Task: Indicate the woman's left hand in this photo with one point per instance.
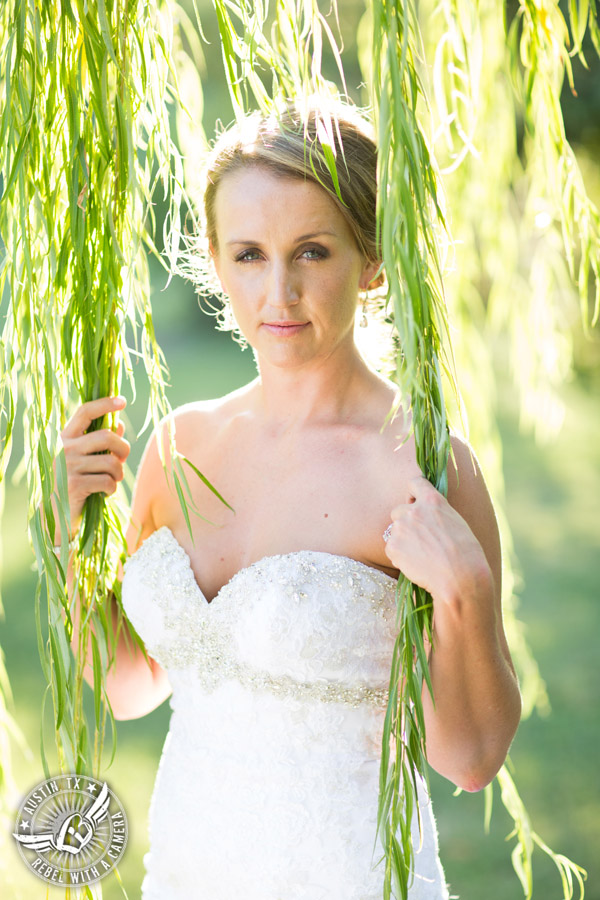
(434, 547)
(452, 549)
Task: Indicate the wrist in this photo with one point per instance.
(470, 594)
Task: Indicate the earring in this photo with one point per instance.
(363, 319)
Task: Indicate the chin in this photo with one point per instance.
(288, 361)
(280, 355)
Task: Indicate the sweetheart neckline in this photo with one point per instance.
(269, 557)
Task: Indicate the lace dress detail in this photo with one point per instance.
(268, 782)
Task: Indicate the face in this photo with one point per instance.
(289, 263)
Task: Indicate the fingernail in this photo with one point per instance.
(119, 401)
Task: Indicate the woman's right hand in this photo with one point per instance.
(90, 469)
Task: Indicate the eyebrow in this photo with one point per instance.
(298, 240)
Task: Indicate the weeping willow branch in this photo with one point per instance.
(411, 222)
(513, 206)
(85, 141)
(289, 54)
(509, 276)
(475, 140)
(539, 40)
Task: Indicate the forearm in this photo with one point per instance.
(477, 705)
(94, 464)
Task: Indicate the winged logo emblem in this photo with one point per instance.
(75, 831)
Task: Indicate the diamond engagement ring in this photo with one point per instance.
(387, 533)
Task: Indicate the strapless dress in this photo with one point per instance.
(268, 782)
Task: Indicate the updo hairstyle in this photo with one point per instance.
(288, 144)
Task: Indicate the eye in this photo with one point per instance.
(247, 256)
(315, 253)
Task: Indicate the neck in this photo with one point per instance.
(323, 391)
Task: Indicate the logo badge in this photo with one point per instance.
(71, 830)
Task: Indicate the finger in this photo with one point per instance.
(398, 512)
(402, 511)
(101, 484)
(99, 464)
(417, 486)
(420, 487)
(97, 442)
(87, 412)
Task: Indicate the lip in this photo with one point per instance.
(284, 327)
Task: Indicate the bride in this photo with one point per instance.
(273, 627)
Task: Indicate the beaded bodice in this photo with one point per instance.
(305, 624)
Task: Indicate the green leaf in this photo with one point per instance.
(105, 31)
(59, 678)
(98, 669)
(206, 482)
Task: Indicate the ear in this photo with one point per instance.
(372, 276)
(214, 257)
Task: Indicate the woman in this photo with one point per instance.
(274, 626)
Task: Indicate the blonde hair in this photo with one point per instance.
(290, 146)
(292, 143)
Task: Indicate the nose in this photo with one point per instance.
(282, 288)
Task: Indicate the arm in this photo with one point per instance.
(452, 548)
(134, 686)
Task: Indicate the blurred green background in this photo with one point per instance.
(553, 495)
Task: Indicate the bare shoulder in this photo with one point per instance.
(466, 483)
(469, 495)
(386, 412)
(203, 418)
(197, 420)
(187, 427)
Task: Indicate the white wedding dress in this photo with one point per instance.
(268, 782)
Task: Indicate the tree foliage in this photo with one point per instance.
(85, 142)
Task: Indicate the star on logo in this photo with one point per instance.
(92, 788)
(70, 839)
(24, 824)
